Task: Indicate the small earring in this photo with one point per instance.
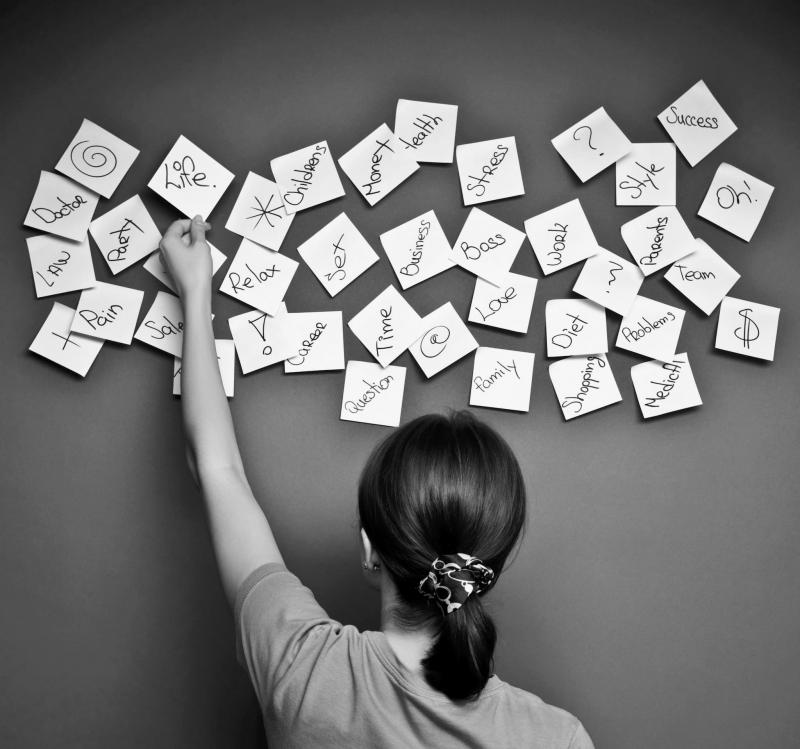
(365, 565)
(375, 567)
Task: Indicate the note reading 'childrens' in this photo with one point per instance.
(307, 177)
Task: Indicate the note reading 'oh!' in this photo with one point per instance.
(703, 277)
(445, 339)
(155, 266)
(507, 306)
(575, 327)
(665, 386)
(646, 175)
(427, 131)
(260, 339)
(610, 281)
(373, 394)
(56, 342)
(747, 328)
(60, 266)
(258, 213)
(651, 329)
(486, 246)
(307, 177)
(225, 361)
(502, 379)
(162, 326)
(583, 384)
(61, 207)
(317, 342)
(561, 237)
(108, 311)
(657, 238)
(125, 234)
(489, 170)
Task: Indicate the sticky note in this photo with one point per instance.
(651, 329)
(657, 238)
(747, 328)
(317, 342)
(337, 254)
(190, 179)
(646, 175)
(373, 394)
(56, 342)
(261, 340)
(696, 123)
(610, 281)
(59, 265)
(486, 246)
(489, 170)
(225, 360)
(445, 340)
(125, 234)
(663, 387)
(259, 214)
(583, 384)
(575, 327)
(735, 201)
(307, 177)
(507, 306)
(703, 277)
(162, 325)
(258, 276)
(387, 326)
(61, 207)
(97, 159)
(502, 379)
(426, 130)
(156, 267)
(417, 249)
(108, 311)
(561, 237)
(592, 144)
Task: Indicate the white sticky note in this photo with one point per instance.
(575, 327)
(162, 325)
(155, 266)
(307, 177)
(663, 387)
(261, 340)
(651, 329)
(61, 207)
(317, 342)
(258, 276)
(387, 326)
(337, 254)
(259, 214)
(125, 234)
(190, 179)
(735, 201)
(592, 145)
(486, 246)
(696, 123)
(56, 342)
(108, 311)
(502, 379)
(610, 281)
(97, 159)
(417, 249)
(646, 175)
(583, 384)
(657, 238)
(507, 306)
(561, 237)
(747, 328)
(445, 339)
(427, 131)
(373, 394)
(703, 277)
(60, 266)
(489, 170)
(225, 360)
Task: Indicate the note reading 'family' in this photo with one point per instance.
(502, 379)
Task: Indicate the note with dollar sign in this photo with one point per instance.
(747, 328)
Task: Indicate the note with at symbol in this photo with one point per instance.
(747, 328)
(445, 340)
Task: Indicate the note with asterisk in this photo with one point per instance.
(259, 214)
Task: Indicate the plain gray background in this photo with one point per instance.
(656, 593)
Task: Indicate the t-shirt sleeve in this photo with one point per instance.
(580, 739)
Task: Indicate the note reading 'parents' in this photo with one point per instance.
(657, 238)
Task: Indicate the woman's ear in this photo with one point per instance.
(369, 558)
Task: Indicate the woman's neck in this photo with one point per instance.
(409, 645)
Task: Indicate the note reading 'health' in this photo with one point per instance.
(610, 281)
(61, 207)
(507, 306)
(502, 379)
(258, 213)
(108, 311)
(575, 327)
(125, 234)
(486, 246)
(657, 238)
(561, 237)
(225, 360)
(665, 386)
(489, 170)
(747, 328)
(445, 340)
(427, 131)
(307, 177)
(261, 340)
(155, 266)
(162, 326)
(646, 175)
(373, 394)
(651, 329)
(56, 342)
(317, 343)
(59, 265)
(583, 384)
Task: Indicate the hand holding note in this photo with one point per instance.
(188, 256)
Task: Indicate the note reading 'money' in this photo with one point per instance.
(646, 175)
(56, 342)
(155, 266)
(61, 207)
(651, 329)
(258, 213)
(486, 246)
(427, 131)
(307, 177)
(445, 339)
(317, 342)
(747, 328)
(583, 384)
(225, 361)
(502, 379)
(561, 237)
(125, 234)
(373, 394)
(60, 266)
(489, 170)
(162, 325)
(657, 238)
(663, 387)
(108, 311)
(507, 306)
(260, 339)
(610, 281)
(575, 327)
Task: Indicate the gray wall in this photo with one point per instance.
(656, 593)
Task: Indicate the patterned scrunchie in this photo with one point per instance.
(453, 578)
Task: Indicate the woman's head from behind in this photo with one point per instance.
(437, 487)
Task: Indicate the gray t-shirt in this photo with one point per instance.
(324, 684)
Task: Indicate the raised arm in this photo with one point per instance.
(240, 531)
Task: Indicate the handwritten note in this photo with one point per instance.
(489, 170)
(486, 246)
(56, 342)
(337, 254)
(651, 329)
(575, 327)
(663, 387)
(225, 361)
(592, 144)
(610, 281)
(155, 266)
(261, 340)
(259, 214)
(258, 276)
(736, 201)
(507, 306)
(747, 328)
(502, 379)
(97, 159)
(646, 175)
(561, 237)
(61, 207)
(417, 249)
(373, 394)
(125, 234)
(696, 123)
(387, 326)
(317, 342)
(60, 266)
(426, 130)
(108, 311)
(445, 340)
(190, 179)
(307, 177)
(162, 325)
(583, 384)
(703, 277)
(657, 238)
